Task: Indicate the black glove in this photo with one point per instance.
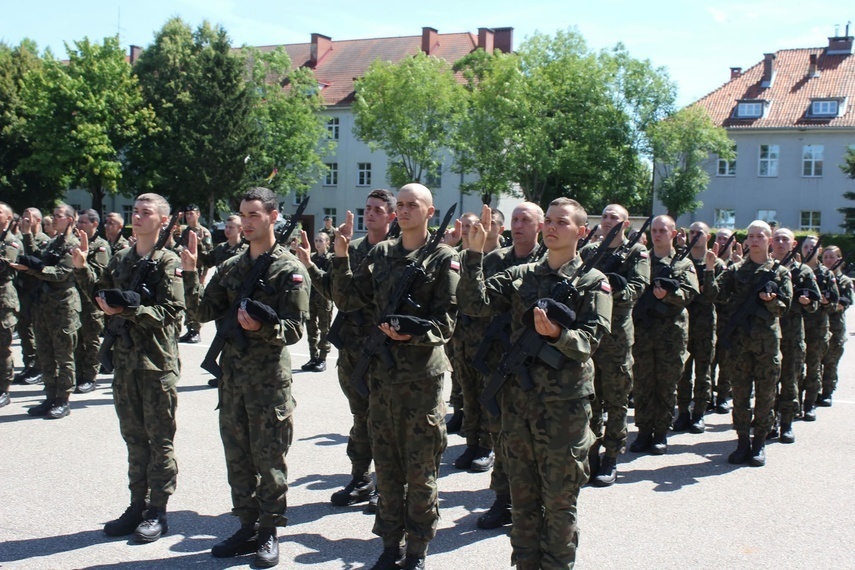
(32, 262)
(618, 282)
(555, 311)
(407, 324)
(259, 311)
(671, 285)
(119, 298)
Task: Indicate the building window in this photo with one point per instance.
(725, 218)
(331, 213)
(750, 110)
(768, 160)
(433, 177)
(727, 167)
(811, 220)
(332, 174)
(332, 128)
(363, 177)
(824, 108)
(812, 160)
(360, 219)
(435, 220)
(128, 212)
(767, 216)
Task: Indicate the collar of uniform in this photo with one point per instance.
(565, 270)
(666, 259)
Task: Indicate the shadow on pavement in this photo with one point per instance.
(353, 553)
(674, 477)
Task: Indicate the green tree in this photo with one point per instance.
(83, 115)
(409, 110)
(848, 167)
(682, 145)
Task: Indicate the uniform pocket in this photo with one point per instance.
(285, 410)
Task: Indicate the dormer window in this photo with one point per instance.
(825, 108)
(750, 109)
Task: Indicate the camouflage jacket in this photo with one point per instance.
(155, 324)
(674, 301)
(804, 283)
(740, 281)
(98, 258)
(57, 277)
(516, 289)
(372, 284)
(118, 245)
(266, 358)
(33, 244)
(635, 269)
(10, 249)
(224, 251)
(205, 242)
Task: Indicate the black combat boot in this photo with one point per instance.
(358, 490)
(773, 431)
(456, 422)
(371, 507)
(84, 386)
(642, 441)
(722, 405)
(824, 400)
(698, 425)
(682, 423)
(483, 460)
(267, 555)
(810, 411)
(128, 522)
(389, 559)
(742, 452)
(499, 514)
(153, 525)
(607, 474)
(594, 460)
(244, 541)
(4, 398)
(787, 435)
(758, 450)
(660, 444)
(320, 364)
(60, 408)
(465, 459)
(310, 364)
(42, 409)
(413, 562)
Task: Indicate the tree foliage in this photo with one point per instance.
(409, 110)
(848, 167)
(682, 145)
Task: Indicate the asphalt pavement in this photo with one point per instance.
(63, 479)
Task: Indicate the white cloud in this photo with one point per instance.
(719, 16)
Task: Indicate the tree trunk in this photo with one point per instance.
(97, 192)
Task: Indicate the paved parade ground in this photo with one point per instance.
(63, 479)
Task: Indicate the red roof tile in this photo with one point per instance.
(791, 91)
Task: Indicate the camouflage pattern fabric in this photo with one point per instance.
(28, 294)
(118, 245)
(817, 337)
(91, 317)
(837, 327)
(224, 251)
(320, 312)
(793, 341)
(10, 250)
(205, 246)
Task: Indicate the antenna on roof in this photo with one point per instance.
(847, 28)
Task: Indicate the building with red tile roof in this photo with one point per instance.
(791, 119)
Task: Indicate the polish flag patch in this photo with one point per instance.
(101, 248)
(179, 272)
(455, 265)
(605, 287)
(14, 244)
(644, 255)
(296, 278)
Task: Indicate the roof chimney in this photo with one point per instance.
(768, 70)
(321, 46)
(430, 40)
(813, 69)
(735, 72)
(840, 45)
(503, 39)
(485, 39)
(134, 54)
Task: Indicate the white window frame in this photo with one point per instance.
(767, 216)
(726, 167)
(331, 179)
(128, 214)
(771, 161)
(333, 125)
(749, 109)
(814, 220)
(363, 174)
(825, 108)
(360, 220)
(729, 222)
(812, 155)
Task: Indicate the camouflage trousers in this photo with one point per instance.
(407, 426)
(817, 336)
(612, 384)
(56, 337)
(472, 384)
(700, 349)
(792, 361)
(146, 402)
(318, 325)
(456, 399)
(547, 445)
(720, 380)
(834, 353)
(26, 330)
(257, 427)
(7, 367)
(659, 355)
(88, 343)
(756, 364)
(358, 440)
(499, 482)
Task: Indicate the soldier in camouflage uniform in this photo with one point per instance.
(256, 405)
(406, 413)
(57, 314)
(320, 310)
(660, 353)
(28, 291)
(146, 372)
(758, 291)
(234, 244)
(378, 215)
(836, 324)
(806, 300)
(817, 332)
(702, 327)
(91, 317)
(113, 225)
(720, 381)
(10, 249)
(613, 358)
(526, 223)
(205, 244)
(48, 227)
(546, 430)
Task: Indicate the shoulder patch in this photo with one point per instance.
(644, 255)
(14, 244)
(605, 287)
(692, 268)
(296, 278)
(179, 272)
(455, 265)
(101, 248)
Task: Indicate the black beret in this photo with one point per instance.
(32, 262)
(668, 284)
(259, 311)
(407, 324)
(119, 298)
(618, 282)
(191, 208)
(555, 311)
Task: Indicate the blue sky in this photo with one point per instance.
(697, 42)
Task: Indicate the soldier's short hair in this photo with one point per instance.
(34, 213)
(115, 216)
(834, 249)
(577, 212)
(159, 202)
(762, 226)
(6, 208)
(498, 217)
(263, 195)
(386, 196)
(66, 209)
(323, 235)
(90, 215)
(235, 218)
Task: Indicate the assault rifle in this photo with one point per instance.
(541, 249)
(530, 346)
(619, 255)
(228, 328)
(10, 227)
(833, 268)
(648, 303)
(378, 342)
(118, 326)
(813, 251)
(727, 245)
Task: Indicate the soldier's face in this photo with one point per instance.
(661, 233)
(559, 229)
(87, 227)
(829, 258)
(525, 226)
(5, 216)
(257, 223)
(321, 245)
(782, 244)
(611, 217)
(147, 219)
(413, 212)
(61, 220)
(807, 247)
(112, 227)
(703, 239)
(757, 240)
(232, 230)
(191, 217)
(376, 216)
